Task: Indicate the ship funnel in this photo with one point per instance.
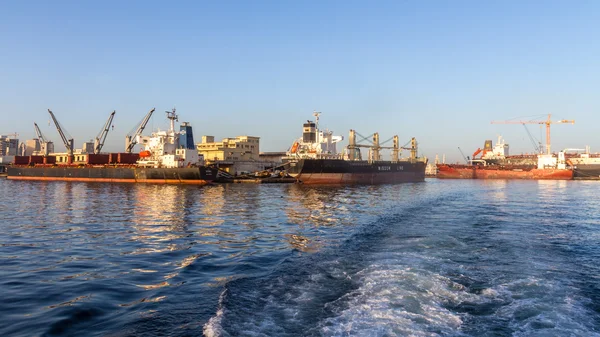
(186, 136)
(487, 146)
(309, 132)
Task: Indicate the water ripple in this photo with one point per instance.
(439, 258)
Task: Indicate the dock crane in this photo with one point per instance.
(463, 155)
(536, 146)
(101, 137)
(547, 122)
(131, 138)
(68, 142)
(44, 143)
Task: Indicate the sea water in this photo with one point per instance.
(449, 258)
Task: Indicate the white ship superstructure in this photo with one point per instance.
(585, 158)
(315, 143)
(165, 148)
(500, 150)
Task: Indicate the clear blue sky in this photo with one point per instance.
(436, 70)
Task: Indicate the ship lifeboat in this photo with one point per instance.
(145, 154)
(294, 147)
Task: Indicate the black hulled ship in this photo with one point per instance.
(313, 159)
(586, 165)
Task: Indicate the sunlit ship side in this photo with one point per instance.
(167, 157)
(495, 163)
(313, 159)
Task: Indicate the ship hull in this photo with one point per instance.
(190, 175)
(337, 171)
(446, 171)
(587, 172)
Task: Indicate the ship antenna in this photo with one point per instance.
(317, 114)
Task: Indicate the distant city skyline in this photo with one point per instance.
(439, 71)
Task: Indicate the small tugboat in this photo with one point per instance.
(313, 159)
(167, 157)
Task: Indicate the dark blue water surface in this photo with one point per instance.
(451, 258)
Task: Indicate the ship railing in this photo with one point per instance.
(314, 156)
(149, 163)
(480, 162)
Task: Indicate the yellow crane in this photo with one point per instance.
(547, 122)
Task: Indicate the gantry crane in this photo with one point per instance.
(44, 148)
(131, 139)
(547, 122)
(68, 142)
(101, 137)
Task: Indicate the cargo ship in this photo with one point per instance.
(313, 159)
(496, 163)
(167, 157)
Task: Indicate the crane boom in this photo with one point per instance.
(465, 158)
(131, 140)
(68, 142)
(547, 122)
(536, 147)
(44, 143)
(99, 141)
(39, 134)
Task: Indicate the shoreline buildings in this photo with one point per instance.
(237, 155)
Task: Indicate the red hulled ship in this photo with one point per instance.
(495, 163)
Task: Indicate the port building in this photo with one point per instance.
(240, 148)
(238, 155)
(8, 146)
(32, 146)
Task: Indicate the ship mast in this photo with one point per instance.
(173, 117)
(318, 137)
(317, 114)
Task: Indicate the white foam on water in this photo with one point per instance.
(213, 328)
(259, 324)
(394, 299)
(283, 305)
(541, 307)
(397, 300)
(404, 294)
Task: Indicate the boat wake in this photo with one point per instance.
(398, 276)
